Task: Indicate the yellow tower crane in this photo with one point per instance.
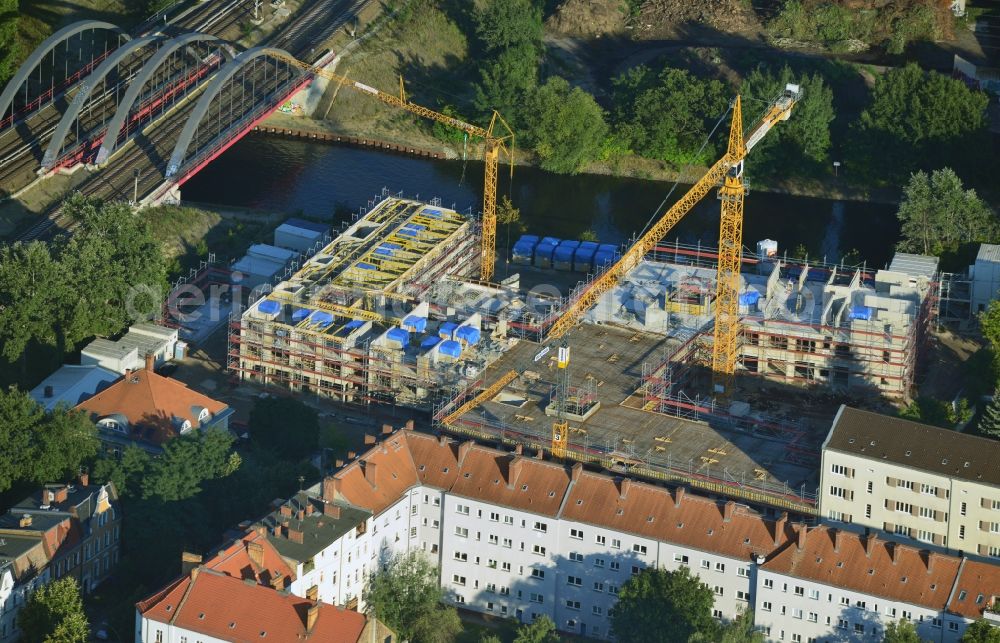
(498, 137)
(728, 171)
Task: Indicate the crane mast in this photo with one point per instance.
(498, 137)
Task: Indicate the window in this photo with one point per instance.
(800, 591)
(508, 543)
(538, 573)
(706, 564)
(741, 595)
(839, 469)
(576, 557)
(639, 549)
(871, 486)
(462, 509)
(576, 533)
(598, 562)
(995, 527)
(953, 626)
(574, 580)
(616, 544)
(796, 613)
(573, 605)
(508, 520)
(813, 617)
(838, 516)
(600, 540)
(904, 507)
(613, 589)
(458, 580)
(842, 623)
(494, 539)
(814, 594)
(859, 628)
(962, 508)
(720, 567)
(598, 610)
(928, 489)
(681, 558)
(494, 516)
(462, 556)
(541, 526)
(769, 583)
(927, 512)
(159, 636)
(718, 590)
(536, 598)
(462, 532)
(598, 586)
(413, 532)
(743, 572)
(538, 550)
(845, 601)
(615, 565)
(839, 492)
(505, 567)
(925, 536)
(717, 614)
(636, 569)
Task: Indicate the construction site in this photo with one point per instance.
(677, 363)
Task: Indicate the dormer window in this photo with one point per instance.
(185, 426)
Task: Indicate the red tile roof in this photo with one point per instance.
(217, 605)
(977, 588)
(236, 560)
(890, 570)
(150, 401)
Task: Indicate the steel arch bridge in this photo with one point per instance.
(184, 98)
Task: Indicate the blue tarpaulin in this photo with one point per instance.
(321, 318)
(860, 312)
(366, 266)
(451, 348)
(299, 314)
(468, 334)
(430, 342)
(269, 307)
(447, 329)
(749, 298)
(415, 323)
(399, 336)
(431, 212)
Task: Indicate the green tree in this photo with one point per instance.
(917, 118)
(506, 81)
(741, 630)
(801, 145)
(54, 614)
(660, 605)
(187, 462)
(588, 235)
(490, 638)
(989, 423)
(10, 50)
(67, 438)
(285, 426)
(937, 214)
(541, 630)
(567, 126)
(33, 298)
(126, 472)
(19, 416)
(989, 324)
(667, 115)
(115, 266)
(902, 631)
(405, 594)
(506, 24)
(981, 632)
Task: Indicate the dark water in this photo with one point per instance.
(316, 178)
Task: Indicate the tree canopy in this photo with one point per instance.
(981, 632)
(40, 446)
(405, 594)
(187, 462)
(658, 605)
(937, 214)
(506, 24)
(667, 115)
(917, 118)
(902, 631)
(285, 426)
(54, 614)
(10, 50)
(541, 630)
(567, 127)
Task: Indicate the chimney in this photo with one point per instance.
(189, 563)
(309, 508)
(576, 472)
(295, 536)
(286, 511)
(331, 510)
(339, 463)
(518, 449)
(870, 543)
(84, 479)
(895, 552)
(442, 439)
(513, 469)
(351, 455)
(331, 488)
(386, 429)
(62, 494)
(803, 532)
(779, 528)
(838, 538)
(47, 497)
(369, 439)
(150, 362)
(311, 617)
(49, 392)
(256, 553)
(370, 472)
(623, 488)
(932, 557)
(540, 454)
(409, 425)
(728, 510)
(25, 521)
(463, 451)
(678, 496)
(278, 581)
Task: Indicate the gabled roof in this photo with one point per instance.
(914, 445)
(303, 526)
(238, 561)
(154, 403)
(214, 604)
(977, 588)
(890, 570)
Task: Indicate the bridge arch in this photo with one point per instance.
(86, 89)
(42, 50)
(135, 86)
(225, 74)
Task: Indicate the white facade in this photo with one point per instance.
(985, 275)
(13, 596)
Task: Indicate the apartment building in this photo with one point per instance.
(914, 481)
(517, 536)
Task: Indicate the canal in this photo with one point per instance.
(326, 181)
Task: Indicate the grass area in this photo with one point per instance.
(40, 18)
